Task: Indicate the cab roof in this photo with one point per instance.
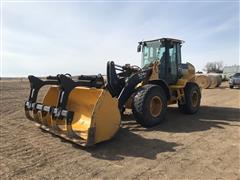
(165, 39)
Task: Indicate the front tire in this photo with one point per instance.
(149, 105)
(231, 86)
(192, 96)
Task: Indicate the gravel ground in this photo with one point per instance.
(200, 146)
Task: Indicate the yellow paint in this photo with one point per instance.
(93, 108)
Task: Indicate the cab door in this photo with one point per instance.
(173, 61)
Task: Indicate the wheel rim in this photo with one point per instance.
(195, 99)
(155, 106)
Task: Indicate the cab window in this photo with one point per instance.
(152, 52)
(173, 59)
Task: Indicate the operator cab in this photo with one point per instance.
(165, 50)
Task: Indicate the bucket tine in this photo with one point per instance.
(40, 115)
(44, 124)
(54, 124)
(28, 114)
(36, 116)
(45, 113)
(28, 111)
(44, 118)
(70, 132)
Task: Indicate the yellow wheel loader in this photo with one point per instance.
(87, 109)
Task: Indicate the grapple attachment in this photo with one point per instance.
(81, 111)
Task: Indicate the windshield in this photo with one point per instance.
(152, 51)
(236, 75)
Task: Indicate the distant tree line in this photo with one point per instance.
(214, 67)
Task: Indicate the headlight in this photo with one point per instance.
(231, 80)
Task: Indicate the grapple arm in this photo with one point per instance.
(36, 84)
(66, 85)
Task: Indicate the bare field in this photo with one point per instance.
(201, 146)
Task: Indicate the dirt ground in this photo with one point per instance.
(201, 146)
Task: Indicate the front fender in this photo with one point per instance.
(131, 83)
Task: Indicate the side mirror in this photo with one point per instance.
(139, 48)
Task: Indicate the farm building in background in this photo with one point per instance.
(231, 69)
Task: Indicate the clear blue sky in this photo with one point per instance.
(79, 38)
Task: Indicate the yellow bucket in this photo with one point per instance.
(96, 115)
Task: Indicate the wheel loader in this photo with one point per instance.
(87, 109)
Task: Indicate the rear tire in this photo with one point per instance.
(149, 105)
(192, 95)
